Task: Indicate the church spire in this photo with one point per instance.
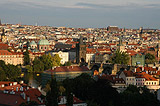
(0, 22)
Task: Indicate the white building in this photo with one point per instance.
(63, 55)
(90, 57)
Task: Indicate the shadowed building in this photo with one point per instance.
(113, 28)
(81, 51)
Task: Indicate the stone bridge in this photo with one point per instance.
(109, 68)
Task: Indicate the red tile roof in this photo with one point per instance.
(128, 73)
(69, 69)
(10, 96)
(3, 46)
(5, 52)
(112, 78)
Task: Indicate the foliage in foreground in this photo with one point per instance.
(9, 72)
(100, 93)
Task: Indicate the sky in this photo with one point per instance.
(82, 13)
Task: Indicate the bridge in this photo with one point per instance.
(109, 68)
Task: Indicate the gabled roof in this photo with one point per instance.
(128, 73)
(69, 69)
(5, 52)
(11, 93)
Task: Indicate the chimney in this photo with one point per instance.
(17, 89)
(113, 78)
(23, 95)
(27, 87)
(21, 89)
(15, 83)
(28, 99)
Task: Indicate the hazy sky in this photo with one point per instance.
(82, 13)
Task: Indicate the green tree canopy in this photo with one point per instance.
(13, 71)
(26, 57)
(38, 66)
(119, 58)
(56, 60)
(52, 95)
(47, 61)
(149, 58)
(29, 68)
(2, 74)
(134, 96)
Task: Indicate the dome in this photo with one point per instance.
(33, 43)
(43, 42)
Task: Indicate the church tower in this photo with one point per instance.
(158, 49)
(0, 22)
(140, 32)
(81, 51)
(121, 47)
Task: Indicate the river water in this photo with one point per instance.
(32, 79)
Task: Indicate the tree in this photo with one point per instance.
(52, 95)
(47, 60)
(2, 74)
(69, 94)
(3, 65)
(134, 96)
(69, 99)
(79, 85)
(61, 90)
(38, 66)
(29, 68)
(119, 58)
(56, 60)
(26, 57)
(12, 72)
(149, 58)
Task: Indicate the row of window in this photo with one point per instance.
(147, 83)
(12, 56)
(130, 83)
(139, 83)
(140, 79)
(130, 79)
(151, 83)
(119, 81)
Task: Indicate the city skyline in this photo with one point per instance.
(82, 13)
